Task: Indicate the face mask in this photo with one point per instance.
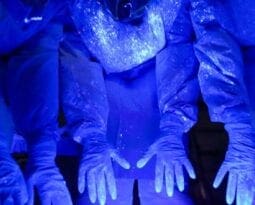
(126, 10)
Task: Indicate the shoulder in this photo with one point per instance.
(203, 11)
(169, 9)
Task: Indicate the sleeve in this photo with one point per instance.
(32, 84)
(221, 69)
(82, 90)
(176, 71)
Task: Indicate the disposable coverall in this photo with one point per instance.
(12, 183)
(225, 49)
(31, 82)
(125, 86)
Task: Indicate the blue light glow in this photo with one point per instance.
(119, 46)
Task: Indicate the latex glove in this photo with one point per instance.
(13, 189)
(96, 168)
(239, 163)
(43, 174)
(171, 158)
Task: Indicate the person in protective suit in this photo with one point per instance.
(128, 82)
(225, 41)
(30, 35)
(224, 48)
(12, 184)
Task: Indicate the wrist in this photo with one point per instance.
(241, 135)
(43, 153)
(90, 137)
(176, 122)
(95, 142)
(82, 133)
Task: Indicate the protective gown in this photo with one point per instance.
(225, 49)
(126, 87)
(31, 90)
(12, 183)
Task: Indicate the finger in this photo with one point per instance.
(244, 195)
(169, 178)
(8, 201)
(62, 200)
(30, 191)
(110, 179)
(81, 179)
(45, 200)
(144, 160)
(20, 197)
(121, 161)
(189, 169)
(220, 176)
(239, 193)
(101, 192)
(21, 194)
(179, 176)
(248, 197)
(61, 195)
(91, 179)
(159, 174)
(231, 188)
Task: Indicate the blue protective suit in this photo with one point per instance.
(225, 43)
(126, 86)
(12, 183)
(19, 22)
(32, 90)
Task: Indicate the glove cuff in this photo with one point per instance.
(42, 153)
(94, 142)
(241, 135)
(175, 124)
(84, 130)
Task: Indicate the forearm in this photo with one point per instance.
(221, 68)
(178, 89)
(221, 78)
(83, 94)
(176, 77)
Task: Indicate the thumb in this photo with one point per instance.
(120, 160)
(30, 191)
(220, 175)
(144, 160)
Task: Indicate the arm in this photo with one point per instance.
(12, 184)
(85, 106)
(177, 96)
(223, 90)
(33, 96)
(82, 90)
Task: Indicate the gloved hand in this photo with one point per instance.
(239, 163)
(13, 189)
(96, 168)
(171, 156)
(43, 174)
(12, 185)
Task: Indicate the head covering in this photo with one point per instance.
(126, 10)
